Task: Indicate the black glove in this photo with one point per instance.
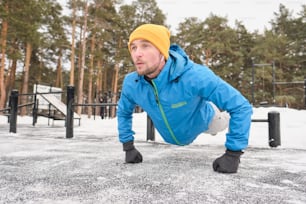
(228, 162)
(132, 155)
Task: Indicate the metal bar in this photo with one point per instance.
(14, 110)
(35, 110)
(30, 94)
(26, 104)
(305, 92)
(260, 120)
(273, 81)
(253, 84)
(262, 65)
(274, 129)
(292, 82)
(5, 109)
(150, 129)
(96, 104)
(55, 92)
(26, 94)
(69, 116)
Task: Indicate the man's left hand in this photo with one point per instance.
(228, 162)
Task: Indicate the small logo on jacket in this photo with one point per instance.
(177, 105)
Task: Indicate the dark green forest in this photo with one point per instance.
(84, 44)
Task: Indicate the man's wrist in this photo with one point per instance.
(128, 145)
(234, 153)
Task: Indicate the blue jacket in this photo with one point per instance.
(177, 101)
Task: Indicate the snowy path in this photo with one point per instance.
(38, 165)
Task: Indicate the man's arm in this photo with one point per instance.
(125, 118)
(229, 99)
(126, 134)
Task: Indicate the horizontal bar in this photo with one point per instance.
(6, 109)
(26, 94)
(292, 82)
(260, 65)
(54, 92)
(26, 104)
(260, 120)
(96, 104)
(31, 94)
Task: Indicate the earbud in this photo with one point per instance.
(162, 58)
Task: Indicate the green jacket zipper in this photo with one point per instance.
(163, 114)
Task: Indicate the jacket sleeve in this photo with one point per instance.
(125, 117)
(227, 98)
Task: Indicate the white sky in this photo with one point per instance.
(255, 15)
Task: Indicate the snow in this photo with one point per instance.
(39, 165)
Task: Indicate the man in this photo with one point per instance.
(181, 97)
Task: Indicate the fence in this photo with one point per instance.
(70, 108)
(13, 108)
(273, 121)
(273, 128)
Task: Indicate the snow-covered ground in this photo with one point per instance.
(39, 165)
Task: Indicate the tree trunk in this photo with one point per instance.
(71, 82)
(59, 79)
(99, 77)
(40, 68)
(115, 82)
(25, 83)
(10, 79)
(115, 85)
(104, 78)
(82, 67)
(99, 88)
(207, 56)
(90, 74)
(2, 66)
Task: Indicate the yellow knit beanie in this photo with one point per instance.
(158, 35)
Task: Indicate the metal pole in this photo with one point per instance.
(35, 111)
(13, 111)
(305, 92)
(150, 129)
(34, 114)
(253, 78)
(273, 80)
(253, 73)
(69, 114)
(274, 129)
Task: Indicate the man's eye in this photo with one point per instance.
(146, 45)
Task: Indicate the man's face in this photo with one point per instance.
(147, 58)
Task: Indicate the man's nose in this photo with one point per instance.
(138, 52)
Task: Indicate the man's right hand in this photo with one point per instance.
(132, 155)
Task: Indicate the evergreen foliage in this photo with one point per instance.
(231, 52)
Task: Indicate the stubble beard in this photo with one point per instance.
(147, 71)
